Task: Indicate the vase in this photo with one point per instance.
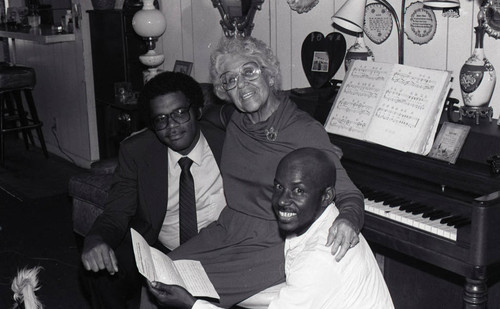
(358, 51)
(477, 76)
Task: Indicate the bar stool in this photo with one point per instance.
(14, 81)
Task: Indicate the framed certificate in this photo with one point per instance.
(420, 23)
(378, 22)
(449, 142)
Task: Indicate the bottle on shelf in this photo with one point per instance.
(34, 18)
(67, 21)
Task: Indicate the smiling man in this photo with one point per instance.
(302, 201)
(146, 189)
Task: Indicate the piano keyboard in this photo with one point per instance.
(417, 215)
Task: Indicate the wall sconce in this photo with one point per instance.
(237, 16)
(150, 24)
(350, 17)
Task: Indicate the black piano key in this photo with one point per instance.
(394, 201)
(375, 194)
(404, 204)
(458, 222)
(448, 219)
(420, 210)
(432, 212)
(440, 215)
(383, 197)
(409, 205)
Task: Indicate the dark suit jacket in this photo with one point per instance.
(139, 191)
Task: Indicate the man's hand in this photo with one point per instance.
(97, 255)
(171, 296)
(343, 236)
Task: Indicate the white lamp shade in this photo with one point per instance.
(442, 4)
(149, 22)
(351, 15)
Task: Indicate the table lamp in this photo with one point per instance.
(150, 24)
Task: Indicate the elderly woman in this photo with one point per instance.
(243, 251)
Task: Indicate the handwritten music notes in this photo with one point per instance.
(393, 105)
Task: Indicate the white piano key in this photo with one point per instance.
(414, 220)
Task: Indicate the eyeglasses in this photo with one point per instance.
(180, 116)
(249, 71)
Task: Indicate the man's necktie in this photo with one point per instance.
(187, 202)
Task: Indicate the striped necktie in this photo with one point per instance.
(187, 203)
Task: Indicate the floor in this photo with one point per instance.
(36, 230)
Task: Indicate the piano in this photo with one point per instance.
(443, 214)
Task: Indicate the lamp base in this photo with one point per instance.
(150, 73)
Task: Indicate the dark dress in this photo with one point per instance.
(243, 251)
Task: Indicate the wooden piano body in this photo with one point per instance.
(466, 189)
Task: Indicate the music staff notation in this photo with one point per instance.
(398, 118)
(374, 74)
(419, 82)
(407, 99)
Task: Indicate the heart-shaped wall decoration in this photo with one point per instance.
(322, 57)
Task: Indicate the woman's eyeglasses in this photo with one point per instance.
(180, 116)
(249, 71)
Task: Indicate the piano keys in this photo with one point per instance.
(445, 215)
(420, 216)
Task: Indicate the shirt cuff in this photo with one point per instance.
(203, 304)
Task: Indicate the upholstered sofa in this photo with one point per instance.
(89, 190)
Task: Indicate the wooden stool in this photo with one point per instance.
(15, 80)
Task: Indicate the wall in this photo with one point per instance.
(193, 29)
(65, 82)
(64, 93)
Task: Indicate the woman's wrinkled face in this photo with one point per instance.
(249, 96)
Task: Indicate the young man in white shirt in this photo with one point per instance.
(302, 201)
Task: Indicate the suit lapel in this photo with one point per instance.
(155, 180)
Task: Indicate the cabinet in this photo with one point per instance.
(115, 58)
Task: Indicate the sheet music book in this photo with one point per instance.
(157, 266)
(394, 105)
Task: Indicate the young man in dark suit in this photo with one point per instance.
(145, 193)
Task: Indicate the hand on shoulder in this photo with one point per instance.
(343, 236)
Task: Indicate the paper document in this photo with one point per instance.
(157, 266)
(394, 105)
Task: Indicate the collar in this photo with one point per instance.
(196, 154)
(327, 216)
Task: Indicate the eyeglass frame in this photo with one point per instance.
(237, 78)
(169, 116)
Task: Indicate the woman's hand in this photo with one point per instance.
(343, 236)
(302, 6)
(171, 296)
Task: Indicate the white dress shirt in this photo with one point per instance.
(209, 193)
(314, 280)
